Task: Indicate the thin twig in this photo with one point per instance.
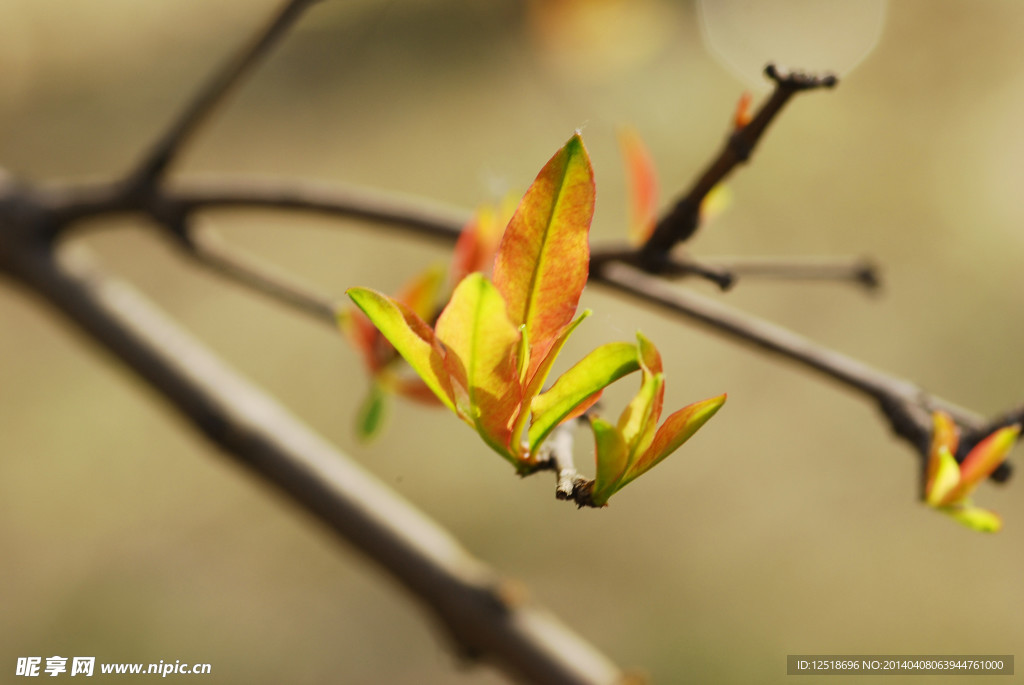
(485, 619)
(684, 218)
(70, 204)
(856, 270)
(160, 157)
(209, 249)
(905, 405)
(673, 266)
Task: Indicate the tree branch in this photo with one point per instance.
(905, 405)
(683, 220)
(208, 249)
(858, 271)
(163, 153)
(484, 618)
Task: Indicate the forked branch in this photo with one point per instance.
(163, 153)
(679, 224)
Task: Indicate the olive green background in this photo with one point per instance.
(789, 525)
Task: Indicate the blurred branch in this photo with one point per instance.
(906, 406)
(207, 247)
(671, 266)
(174, 212)
(857, 271)
(682, 221)
(485, 618)
(162, 154)
(69, 204)
(725, 272)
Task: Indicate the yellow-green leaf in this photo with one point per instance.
(533, 384)
(638, 421)
(611, 454)
(975, 518)
(677, 429)
(598, 369)
(947, 477)
(650, 364)
(408, 334)
(944, 434)
(476, 330)
(543, 259)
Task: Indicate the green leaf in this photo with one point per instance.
(543, 259)
(597, 370)
(611, 456)
(371, 413)
(677, 429)
(477, 332)
(975, 518)
(947, 477)
(944, 434)
(638, 421)
(533, 384)
(408, 334)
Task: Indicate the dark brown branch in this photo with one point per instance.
(174, 213)
(70, 204)
(484, 619)
(671, 267)
(725, 272)
(207, 248)
(165, 150)
(859, 271)
(905, 405)
(684, 218)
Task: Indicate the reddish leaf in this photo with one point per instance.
(643, 186)
(542, 262)
(677, 429)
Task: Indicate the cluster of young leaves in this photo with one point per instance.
(494, 344)
(949, 485)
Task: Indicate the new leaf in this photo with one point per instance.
(948, 485)
(544, 256)
(635, 445)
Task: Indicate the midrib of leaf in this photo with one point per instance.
(535, 276)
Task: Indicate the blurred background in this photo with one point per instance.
(788, 525)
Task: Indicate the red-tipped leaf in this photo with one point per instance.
(542, 262)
